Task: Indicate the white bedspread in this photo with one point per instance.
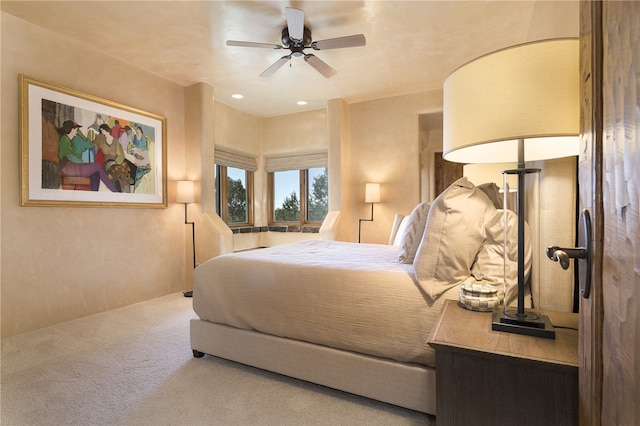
(356, 297)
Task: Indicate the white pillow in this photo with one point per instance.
(412, 234)
(490, 261)
(401, 229)
(398, 220)
(452, 238)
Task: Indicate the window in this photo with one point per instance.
(234, 202)
(234, 187)
(286, 196)
(299, 196)
(317, 194)
(298, 188)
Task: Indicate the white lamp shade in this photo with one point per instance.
(529, 92)
(185, 192)
(372, 193)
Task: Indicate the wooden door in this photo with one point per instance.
(610, 188)
(590, 198)
(446, 172)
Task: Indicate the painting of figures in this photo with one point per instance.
(80, 149)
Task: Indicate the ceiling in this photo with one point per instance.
(411, 45)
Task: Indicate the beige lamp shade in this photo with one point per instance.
(372, 193)
(185, 192)
(527, 92)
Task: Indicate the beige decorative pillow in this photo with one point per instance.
(490, 261)
(453, 236)
(412, 234)
(493, 192)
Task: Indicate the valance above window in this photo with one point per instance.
(296, 162)
(239, 161)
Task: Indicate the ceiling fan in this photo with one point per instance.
(296, 37)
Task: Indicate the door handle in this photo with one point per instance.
(562, 255)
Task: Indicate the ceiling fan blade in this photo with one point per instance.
(252, 44)
(320, 66)
(340, 42)
(295, 22)
(276, 66)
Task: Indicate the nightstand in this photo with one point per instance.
(486, 377)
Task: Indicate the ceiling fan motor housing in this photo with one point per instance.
(296, 45)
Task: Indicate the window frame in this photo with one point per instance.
(222, 209)
(304, 200)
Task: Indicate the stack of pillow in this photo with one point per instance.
(459, 237)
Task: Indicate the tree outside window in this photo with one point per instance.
(234, 187)
(287, 209)
(318, 194)
(306, 199)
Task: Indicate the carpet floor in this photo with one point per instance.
(134, 366)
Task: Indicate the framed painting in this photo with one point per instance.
(81, 150)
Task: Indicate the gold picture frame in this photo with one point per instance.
(81, 150)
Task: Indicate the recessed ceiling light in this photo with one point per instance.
(301, 102)
(237, 96)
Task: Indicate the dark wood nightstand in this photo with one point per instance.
(486, 377)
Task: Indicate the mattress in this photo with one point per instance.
(348, 296)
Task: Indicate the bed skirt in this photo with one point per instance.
(406, 385)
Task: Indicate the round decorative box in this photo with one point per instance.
(478, 296)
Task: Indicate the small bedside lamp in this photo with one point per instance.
(371, 195)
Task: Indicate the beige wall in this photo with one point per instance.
(374, 141)
(339, 145)
(300, 133)
(385, 148)
(60, 263)
(212, 236)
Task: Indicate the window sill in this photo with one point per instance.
(306, 229)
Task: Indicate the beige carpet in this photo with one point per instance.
(134, 366)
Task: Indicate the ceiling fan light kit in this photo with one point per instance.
(296, 37)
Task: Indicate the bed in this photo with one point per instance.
(350, 316)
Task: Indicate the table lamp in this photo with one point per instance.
(516, 104)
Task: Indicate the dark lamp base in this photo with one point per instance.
(530, 323)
